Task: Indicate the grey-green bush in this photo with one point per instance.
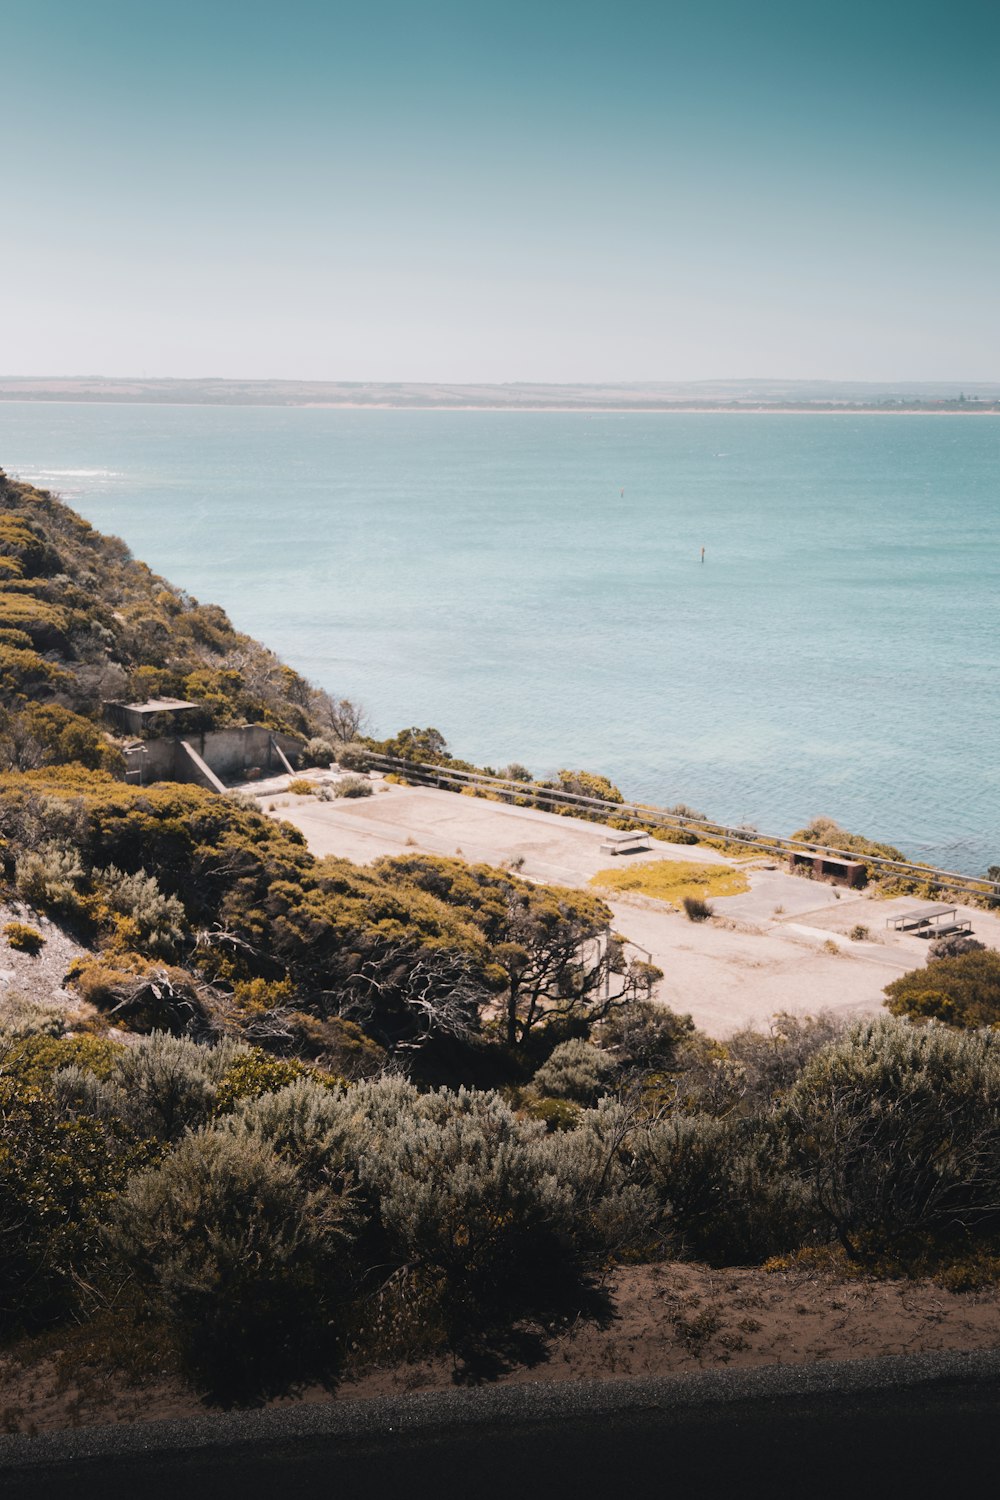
(576, 1070)
(350, 786)
(464, 1190)
(320, 752)
(351, 756)
(610, 1210)
(645, 1038)
(49, 877)
(169, 1084)
(158, 919)
(245, 1261)
(314, 1128)
(895, 1131)
(722, 1192)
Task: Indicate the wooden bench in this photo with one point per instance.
(625, 841)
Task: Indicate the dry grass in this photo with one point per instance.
(671, 880)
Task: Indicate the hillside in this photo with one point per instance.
(288, 1118)
(81, 622)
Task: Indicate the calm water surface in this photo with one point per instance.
(530, 584)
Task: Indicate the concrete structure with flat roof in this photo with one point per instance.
(155, 716)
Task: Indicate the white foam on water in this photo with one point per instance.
(40, 474)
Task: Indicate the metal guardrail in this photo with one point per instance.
(533, 794)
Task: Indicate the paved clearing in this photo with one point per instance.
(783, 945)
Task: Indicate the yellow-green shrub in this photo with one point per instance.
(22, 938)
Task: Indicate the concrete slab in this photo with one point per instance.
(785, 944)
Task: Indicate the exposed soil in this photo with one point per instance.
(660, 1320)
(39, 977)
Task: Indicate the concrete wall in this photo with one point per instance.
(231, 753)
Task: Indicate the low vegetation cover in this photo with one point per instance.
(277, 1224)
(23, 938)
(673, 880)
(311, 1114)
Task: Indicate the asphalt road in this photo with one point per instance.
(922, 1426)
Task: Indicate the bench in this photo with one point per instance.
(932, 930)
(625, 841)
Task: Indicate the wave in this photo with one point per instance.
(36, 474)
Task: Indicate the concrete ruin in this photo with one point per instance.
(213, 757)
(156, 716)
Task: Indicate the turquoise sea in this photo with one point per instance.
(531, 584)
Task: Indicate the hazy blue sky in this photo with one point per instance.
(506, 190)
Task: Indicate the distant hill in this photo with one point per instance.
(519, 396)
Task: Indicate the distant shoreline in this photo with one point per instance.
(971, 410)
(635, 398)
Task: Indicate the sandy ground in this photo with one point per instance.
(39, 978)
(652, 1320)
(783, 945)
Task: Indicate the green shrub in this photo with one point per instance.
(150, 922)
(555, 1114)
(575, 1070)
(246, 1262)
(50, 878)
(36, 1057)
(896, 1131)
(24, 939)
(254, 1074)
(645, 1038)
(57, 1177)
(47, 734)
(962, 991)
(19, 639)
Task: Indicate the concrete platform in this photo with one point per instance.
(785, 944)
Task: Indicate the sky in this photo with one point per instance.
(528, 190)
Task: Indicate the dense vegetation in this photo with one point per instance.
(961, 989)
(274, 1223)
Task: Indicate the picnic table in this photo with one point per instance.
(930, 921)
